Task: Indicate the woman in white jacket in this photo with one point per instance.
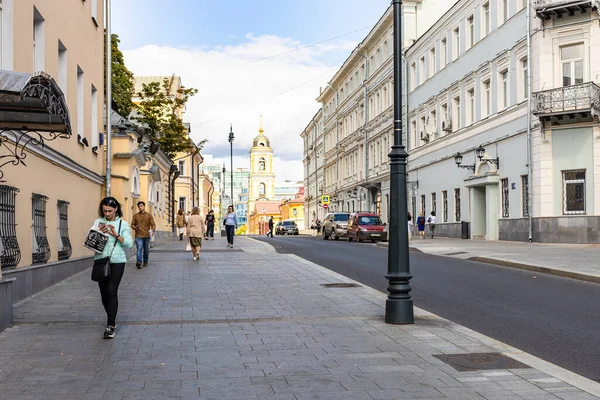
(432, 220)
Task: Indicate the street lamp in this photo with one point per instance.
(399, 304)
(480, 152)
(458, 159)
(231, 158)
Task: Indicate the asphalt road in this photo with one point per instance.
(553, 318)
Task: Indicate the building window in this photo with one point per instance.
(261, 189)
(64, 243)
(571, 58)
(486, 19)
(445, 206)
(504, 15)
(95, 11)
(182, 204)
(39, 39)
(525, 194)
(433, 123)
(470, 106)
(524, 81)
(94, 130)
(41, 247)
(505, 198)
(443, 53)
(423, 204)
(573, 192)
(261, 164)
(433, 202)
(422, 72)
(414, 133)
(456, 114)
(504, 88)
(432, 62)
(80, 103)
(62, 67)
(457, 205)
(455, 43)
(181, 168)
(10, 254)
(487, 98)
(470, 32)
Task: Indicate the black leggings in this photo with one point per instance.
(108, 291)
(230, 231)
(211, 230)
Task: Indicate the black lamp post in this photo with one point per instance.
(458, 159)
(399, 304)
(480, 152)
(231, 158)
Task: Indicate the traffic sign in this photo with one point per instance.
(325, 206)
(325, 199)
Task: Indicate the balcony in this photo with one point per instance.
(546, 9)
(575, 99)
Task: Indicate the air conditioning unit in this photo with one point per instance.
(424, 136)
(447, 125)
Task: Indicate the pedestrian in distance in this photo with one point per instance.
(410, 225)
(318, 226)
(195, 232)
(230, 223)
(210, 225)
(111, 223)
(421, 225)
(270, 227)
(142, 223)
(432, 220)
(180, 223)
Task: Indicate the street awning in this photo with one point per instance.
(33, 103)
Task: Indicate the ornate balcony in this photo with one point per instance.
(546, 9)
(575, 99)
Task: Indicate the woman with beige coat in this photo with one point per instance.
(195, 232)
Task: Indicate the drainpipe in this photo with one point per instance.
(108, 100)
(529, 144)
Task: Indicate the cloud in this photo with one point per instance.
(236, 88)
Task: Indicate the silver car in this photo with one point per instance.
(335, 225)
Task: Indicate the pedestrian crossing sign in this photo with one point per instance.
(325, 200)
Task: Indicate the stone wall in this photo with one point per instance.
(447, 229)
(565, 229)
(6, 302)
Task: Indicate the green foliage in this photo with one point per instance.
(159, 111)
(122, 79)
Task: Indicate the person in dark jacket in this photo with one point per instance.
(270, 227)
(210, 225)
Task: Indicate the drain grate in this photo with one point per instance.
(339, 285)
(480, 361)
(455, 254)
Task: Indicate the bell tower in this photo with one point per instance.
(262, 178)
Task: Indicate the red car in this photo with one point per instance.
(366, 226)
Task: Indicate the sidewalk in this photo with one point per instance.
(248, 323)
(578, 261)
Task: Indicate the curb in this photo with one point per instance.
(386, 245)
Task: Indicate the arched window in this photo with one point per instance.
(151, 192)
(135, 187)
(261, 189)
(261, 164)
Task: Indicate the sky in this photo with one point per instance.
(247, 59)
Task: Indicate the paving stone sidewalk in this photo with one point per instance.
(248, 323)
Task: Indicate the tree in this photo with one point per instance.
(122, 79)
(159, 112)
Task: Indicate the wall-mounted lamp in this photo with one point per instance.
(458, 159)
(480, 152)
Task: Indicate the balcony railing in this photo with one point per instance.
(549, 8)
(564, 100)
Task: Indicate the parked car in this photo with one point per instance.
(277, 228)
(366, 226)
(288, 228)
(335, 225)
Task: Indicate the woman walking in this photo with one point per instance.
(195, 232)
(410, 225)
(421, 225)
(119, 232)
(432, 220)
(210, 225)
(230, 225)
(180, 223)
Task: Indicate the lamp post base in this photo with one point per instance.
(399, 311)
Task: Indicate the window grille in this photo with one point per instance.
(41, 247)
(445, 206)
(10, 254)
(65, 251)
(505, 198)
(525, 194)
(423, 204)
(433, 202)
(457, 205)
(574, 192)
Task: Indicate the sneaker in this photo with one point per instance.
(109, 332)
(145, 264)
(138, 265)
(194, 258)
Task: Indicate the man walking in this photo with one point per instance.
(270, 227)
(142, 224)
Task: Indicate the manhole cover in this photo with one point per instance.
(339, 285)
(480, 361)
(455, 254)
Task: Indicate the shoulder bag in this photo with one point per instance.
(101, 270)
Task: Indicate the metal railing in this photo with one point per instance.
(537, 4)
(63, 230)
(10, 254)
(567, 98)
(41, 247)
